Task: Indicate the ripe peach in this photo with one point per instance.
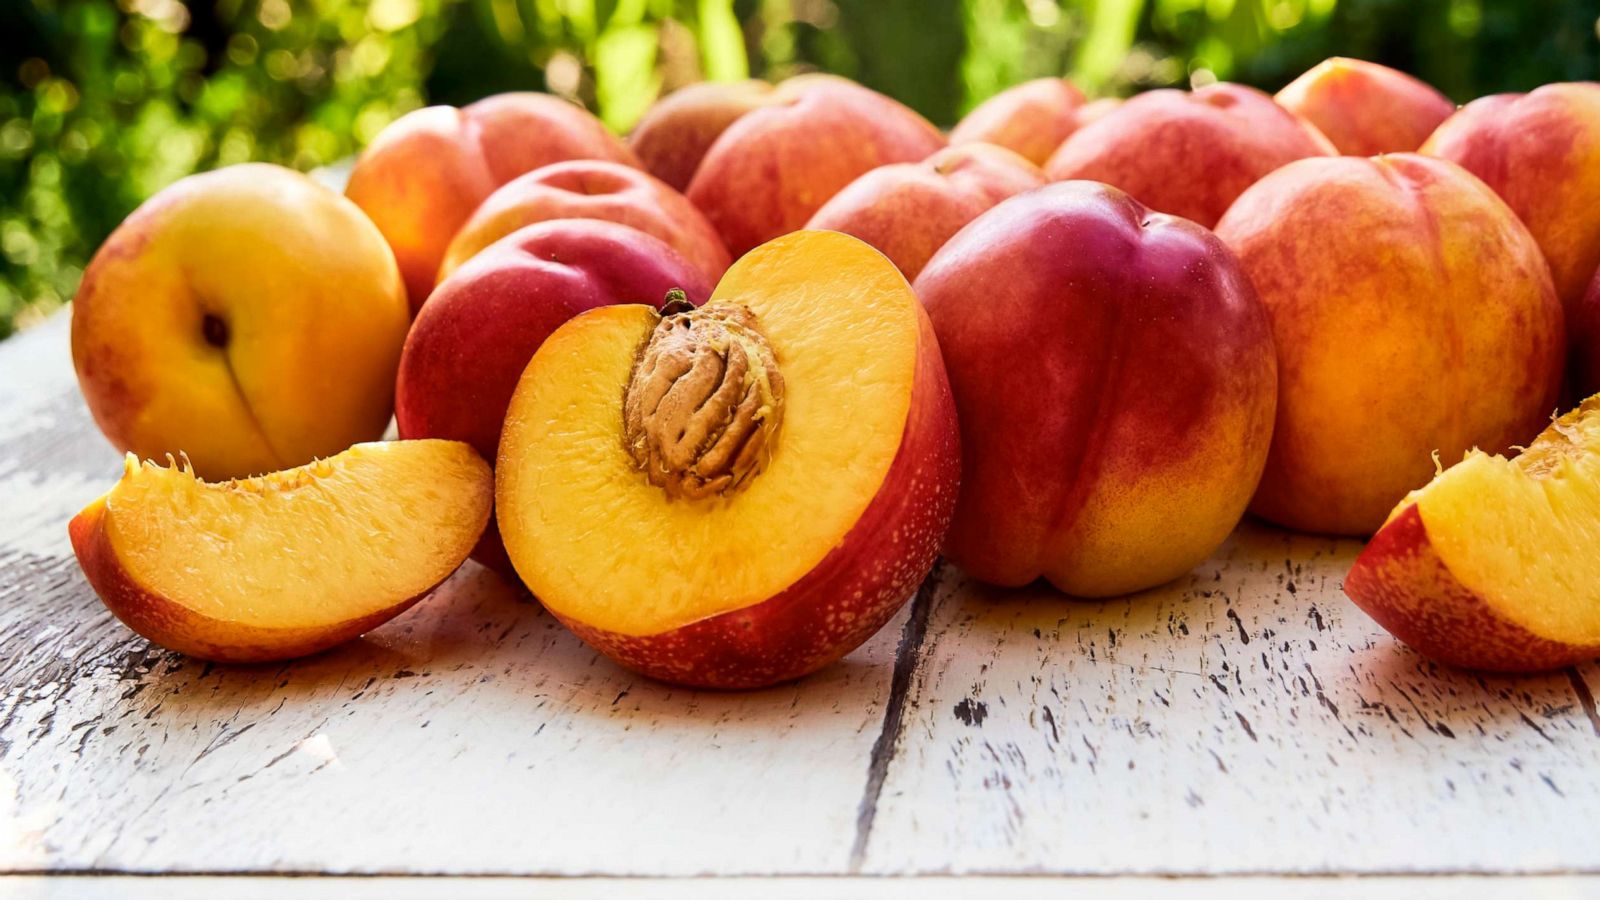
(248, 317)
(739, 494)
(1188, 154)
(675, 134)
(1364, 108)
(286, 564)
(1412, 315)
(474, 337)
(591, 189)
(1492, 565)
(908, 210)
(774, 167)
(1031, 118)
(422, 177)
(1115, 379)
(1541, 153)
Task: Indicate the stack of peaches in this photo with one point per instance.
(721, 394)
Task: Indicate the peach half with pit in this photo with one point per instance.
(285, 564)
(1492, 565)
(737, 494)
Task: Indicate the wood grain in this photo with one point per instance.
(1246, 719)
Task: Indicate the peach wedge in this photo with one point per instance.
(1492, 566)
(286, 564)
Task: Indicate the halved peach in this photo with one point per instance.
(739, 494)
(1493, 565)
(285, 564)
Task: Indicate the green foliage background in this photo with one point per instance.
(103, 102)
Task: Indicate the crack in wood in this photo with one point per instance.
(1585, 698)
(906, 658)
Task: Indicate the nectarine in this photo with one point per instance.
(1115, 379)
(675, 134)
(1031, 119)
(422, 177)
(738, 494)
(1412, 314)
(1493, 564)
(248, 317)
(1188, 154)
(1365, 108)
(908, 210)
(591, 189)
(775, 166)
(289, 563)
(1541, 153)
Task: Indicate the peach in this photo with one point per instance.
(1541, 153)
(423, 176)
(1188, 154)
(908, 210)
(591, 189)
(248, 317)
(1115, 379)
(1366, 109)
(1492, 564)
(1031, 118)
(286, 564)
(739, 494)
(675, 134)
(774, 167)
(1412, 315)
(1585, 329)
(474, 337)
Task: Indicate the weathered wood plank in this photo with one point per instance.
(473, 734)
(1247, 719)
(1033, 888)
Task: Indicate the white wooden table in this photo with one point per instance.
(1228, 735)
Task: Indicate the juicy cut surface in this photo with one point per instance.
(595, 540)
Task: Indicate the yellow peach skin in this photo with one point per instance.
(1365, 108)
(422, 177)
(247, 317)
(1412, 314)
(1541, 152)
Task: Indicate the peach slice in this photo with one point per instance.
(286, 564)
(736, 495)
(1492, 565)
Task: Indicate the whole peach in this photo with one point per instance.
(1365, 108)
(1413, 316)
(1114, 381)
(1541, 153)
(774, 167)
(247, 317)
(1188, 154)
(1031, 118)
(591, 189)
(675, 134)
(908, 210)
(422, 177)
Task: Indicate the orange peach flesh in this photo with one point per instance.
(1492, 565)
(573, 504)
(284, 564)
